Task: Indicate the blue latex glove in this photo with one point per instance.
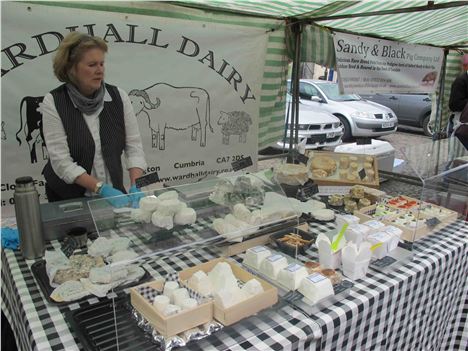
(135, 195)
(10, 238)
(115, 197)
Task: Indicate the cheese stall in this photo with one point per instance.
(324, 250)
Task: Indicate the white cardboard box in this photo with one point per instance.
(382, 150)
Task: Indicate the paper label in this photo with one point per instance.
(374, 224)
(393, 230)
(380, 236)
(293, 267)
(274, 258)
(362, 173)
(316, 277)
(258, 249)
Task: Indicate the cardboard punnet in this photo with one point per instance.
(245, 308)
(174, 324)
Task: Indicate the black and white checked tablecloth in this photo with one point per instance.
(422, 305)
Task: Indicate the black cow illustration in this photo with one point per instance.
(31, 126)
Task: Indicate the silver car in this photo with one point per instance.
(360, 118)
(412, 109)
(317, 129)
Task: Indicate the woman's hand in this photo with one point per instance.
(114, 196)
(135, 195)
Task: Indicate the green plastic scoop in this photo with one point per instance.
(336, 242)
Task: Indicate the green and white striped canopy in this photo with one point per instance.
(439, 27)
(444, 27)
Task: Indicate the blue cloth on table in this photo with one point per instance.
(10, 238)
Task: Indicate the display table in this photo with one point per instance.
(421, 305)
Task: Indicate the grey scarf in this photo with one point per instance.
(84, 104)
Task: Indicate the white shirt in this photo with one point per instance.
(59, 152)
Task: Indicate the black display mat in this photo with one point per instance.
(94, 326)
(39, 271)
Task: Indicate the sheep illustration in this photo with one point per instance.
(234, 123)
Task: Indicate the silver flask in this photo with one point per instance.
(28, 219)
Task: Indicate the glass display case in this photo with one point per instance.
(175, 232)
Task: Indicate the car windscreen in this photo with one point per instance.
(333, 93)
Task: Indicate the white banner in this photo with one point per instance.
(369, 65)
(204, 78)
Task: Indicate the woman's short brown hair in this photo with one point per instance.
(70, 52)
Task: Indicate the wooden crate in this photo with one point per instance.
(335, 178)
(245, 308)
(170, 325)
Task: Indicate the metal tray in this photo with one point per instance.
(39, 271)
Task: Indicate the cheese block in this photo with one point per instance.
(272, 265)
(252, 287)
(291, 174)
(292, 275)
(185, 216)
(200, 282)
(226, 298)
(255, 255)
(316, 287)
(149, 203)
(221, 277)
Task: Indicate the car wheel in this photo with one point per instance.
(426, 127)
(346, 129)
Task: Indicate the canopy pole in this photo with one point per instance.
(294, 127)
(438, 118)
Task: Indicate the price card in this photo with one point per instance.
(363, 141)
(362, 174)
(432, 222)
(307, 190)
(69, 246)
(302, 158)
(147, 179)
(242, 163)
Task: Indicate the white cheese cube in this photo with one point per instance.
(169, 288)
(255, 255)
(189, 303)
(316, 287)
(272, 265)
(170, 310)
(179, 295)
(160, 302)
(292, 275)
